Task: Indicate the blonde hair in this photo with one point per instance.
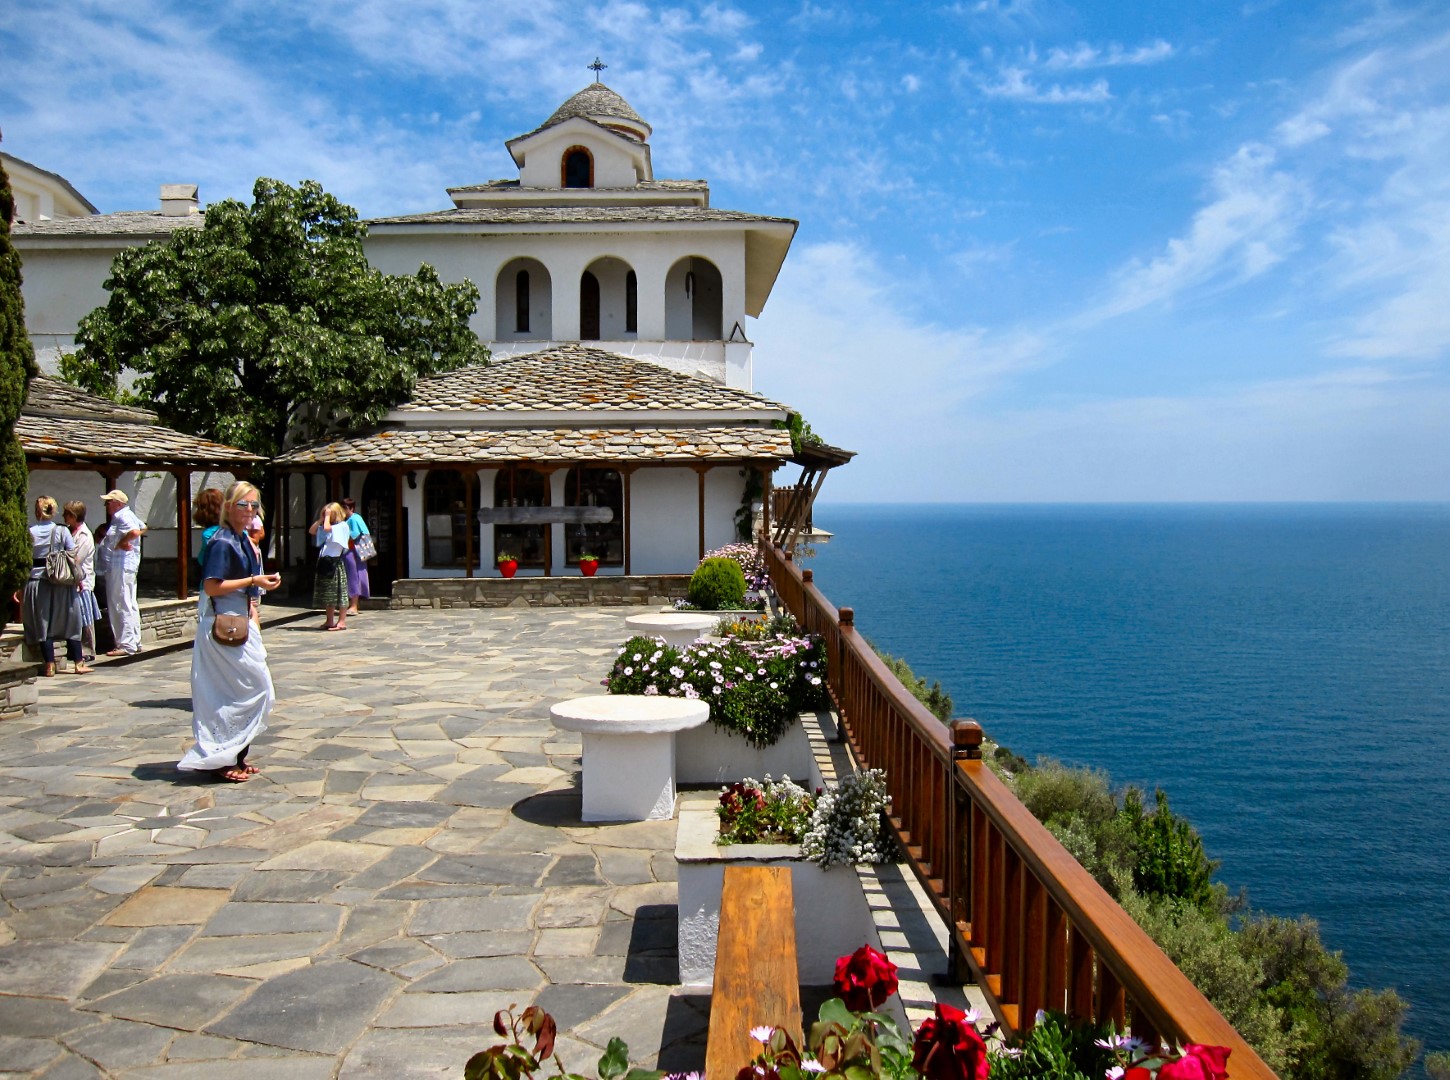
(236, 493)
(335, 513)
(45, 507)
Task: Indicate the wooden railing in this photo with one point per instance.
(1033, 927)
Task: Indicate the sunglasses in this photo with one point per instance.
(248, 505)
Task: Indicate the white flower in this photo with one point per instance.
(1115, 1073)
(629, 671)
(812, 1065)
(762, 1034)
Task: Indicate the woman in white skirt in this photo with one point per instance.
(231, 688)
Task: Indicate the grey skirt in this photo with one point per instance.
(50, 612)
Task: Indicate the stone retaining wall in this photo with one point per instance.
(575, 591)
(163, 622)
(19, 691)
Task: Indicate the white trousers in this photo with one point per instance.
(121, 609)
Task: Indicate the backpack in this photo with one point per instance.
(60, 565)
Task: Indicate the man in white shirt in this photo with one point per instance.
(120, 558)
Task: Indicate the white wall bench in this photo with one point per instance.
(629, 751)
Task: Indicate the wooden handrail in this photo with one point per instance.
(1035, 929)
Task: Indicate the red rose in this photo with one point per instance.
(1198, 1062)
(865, 979)
(948, 1047)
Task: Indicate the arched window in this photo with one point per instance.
(521, 302)
(516, 486)
(631, 303)
(578, 168)
(594, 487)
(445, 517)
(588, 307)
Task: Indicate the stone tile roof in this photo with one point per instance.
(643, 185)
(577, 378)
(569, 215)
(62, 423)
(664, 445)
(121, 223)
(594, 101)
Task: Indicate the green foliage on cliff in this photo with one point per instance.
(17, 365)
(933, 697)
(1272, 978)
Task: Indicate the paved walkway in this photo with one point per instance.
(410, 860)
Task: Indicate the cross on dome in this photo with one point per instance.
(597, 67)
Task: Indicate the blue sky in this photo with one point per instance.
(1048, 251)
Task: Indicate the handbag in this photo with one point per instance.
(229, 629)
(60, 565)
(364, 547)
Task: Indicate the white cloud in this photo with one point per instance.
(1083, 56)
(1248, 227)
(1016, 84)
(910, 83)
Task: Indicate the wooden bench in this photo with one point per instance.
(757, 982)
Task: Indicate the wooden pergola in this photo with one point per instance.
(65, 429)
(795, 519)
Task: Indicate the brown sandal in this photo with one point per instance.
(81, 669)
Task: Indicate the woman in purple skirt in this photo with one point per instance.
(356, 567)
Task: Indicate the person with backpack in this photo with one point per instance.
(50, 609)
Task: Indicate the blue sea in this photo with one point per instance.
(1282, 671)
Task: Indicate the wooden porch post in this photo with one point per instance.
(183, 530)
(400, 568)
(767, 489)
(470, 476)
(700, 471)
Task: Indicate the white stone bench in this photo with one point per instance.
(678, 628)
(629, 751)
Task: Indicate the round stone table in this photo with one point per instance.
(678, 628)
(629, 751)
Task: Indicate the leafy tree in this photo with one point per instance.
(269, 322)
(1080, 809)
(933, 697)
(1437, 1065)
(17, 365)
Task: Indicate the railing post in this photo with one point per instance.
(966, 746)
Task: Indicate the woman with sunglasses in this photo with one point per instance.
(231, 687)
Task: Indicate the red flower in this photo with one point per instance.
(865, 979)
(1198, 1062)
(949, 1048)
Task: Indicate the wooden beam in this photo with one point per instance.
(470, 477)
(183, 531)
(700, 471)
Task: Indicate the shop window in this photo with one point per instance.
(521, 487)
(595, 487)
(445, 518)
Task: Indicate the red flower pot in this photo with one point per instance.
(588, 566)
(507, 569)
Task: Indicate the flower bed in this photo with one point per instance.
(754, 688)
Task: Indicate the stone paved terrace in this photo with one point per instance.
(410, 860)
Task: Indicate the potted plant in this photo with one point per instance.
(588, 563)
(507, 564)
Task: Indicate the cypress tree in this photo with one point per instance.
(17, 365)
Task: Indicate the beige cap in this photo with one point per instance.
(115, 496)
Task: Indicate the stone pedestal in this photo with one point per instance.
(629, 751)
(677, 628)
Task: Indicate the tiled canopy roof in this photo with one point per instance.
(570, 403)
(485, 446)
(568, 215)
(642, 185)
(62, 423)
(121, 223)
(577, 378)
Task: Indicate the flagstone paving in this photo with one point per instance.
(410, 860)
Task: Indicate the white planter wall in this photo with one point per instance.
(709, 754)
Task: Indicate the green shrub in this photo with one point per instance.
(1168, 856)
(1079, 808)
(716, 585)
(1437, 1065)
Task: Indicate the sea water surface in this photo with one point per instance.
(1282, 671)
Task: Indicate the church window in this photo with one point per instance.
(521, 302)
(578, 168)
(588, 307)
(631, 303)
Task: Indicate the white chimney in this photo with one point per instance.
(178, 200)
